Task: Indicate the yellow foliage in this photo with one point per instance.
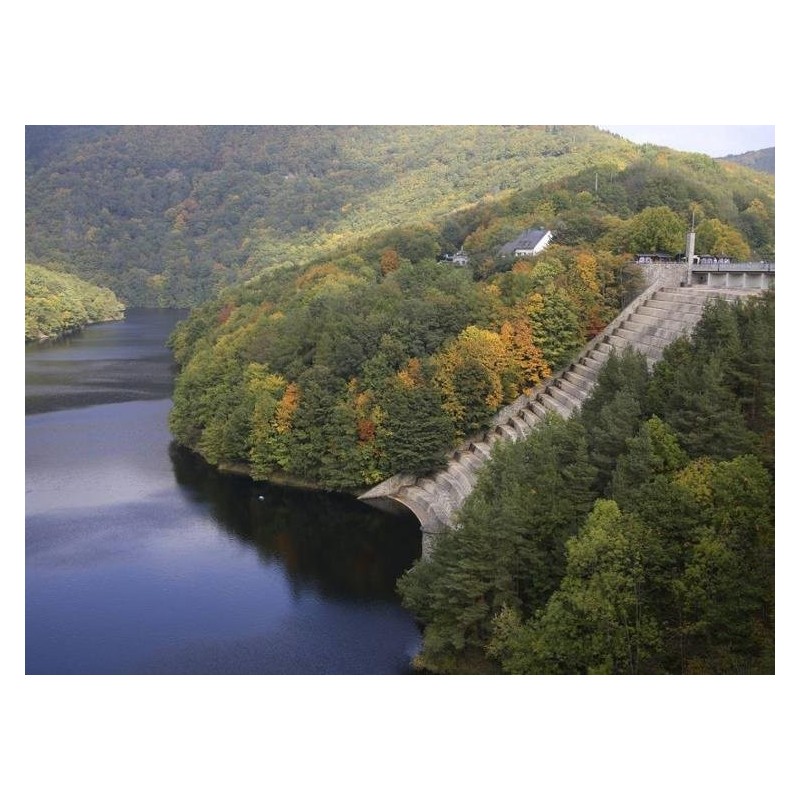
(696, 479)
(286, 409)
(317, 274)
(586, 264)
(472, 344)
(534, 304)
(411, 377)
(526, 358)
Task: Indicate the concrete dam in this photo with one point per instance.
(652, 321)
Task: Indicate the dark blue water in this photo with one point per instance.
(142, 559)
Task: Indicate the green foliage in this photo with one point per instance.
(717, 390)
(415, 434)
(718, 239)
(169, 215)
(409, 359)
(653, 451)
(673, 574)
(656, 230)
(612, 414)
(508, 548)
(599, 620)
(558, 330)
(57, 303)
(728, 586)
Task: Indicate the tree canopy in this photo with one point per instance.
(622, 543)
(57, 303)
(170, 215)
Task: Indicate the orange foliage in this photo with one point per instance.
(526, 358)
(366, 430)
(286, 409)
(224, 313)
(390, 261)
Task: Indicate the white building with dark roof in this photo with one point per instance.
(528, 243)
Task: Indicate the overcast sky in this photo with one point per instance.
(714, 140)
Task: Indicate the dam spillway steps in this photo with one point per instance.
(648, 325)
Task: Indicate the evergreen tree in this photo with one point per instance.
(508, 547)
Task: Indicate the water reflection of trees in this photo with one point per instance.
(331, 542)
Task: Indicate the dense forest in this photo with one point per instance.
(57, 303)
(169, 215)
(636, 537)
(381, 356)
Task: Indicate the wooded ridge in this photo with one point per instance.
(168, 215)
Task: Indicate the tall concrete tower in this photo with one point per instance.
(690, 252)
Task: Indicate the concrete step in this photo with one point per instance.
(468, 460)
(647, 323)
(573, 376)
(596, 357)
(529, 417)
(673, 306)
(587, 371)
(563, 398)
(452, 487)
(552, 404)
(491, 438)
(520, 425)
(620, 343)
(538, 408)
(700, 296)
(690, 314)
(437, 500)
(481, 450)
(577, 393)
(660, 337)
(625, 333)
(462, 474)
(418, 499)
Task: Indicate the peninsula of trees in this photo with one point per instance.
(57, 303)
(379, 357)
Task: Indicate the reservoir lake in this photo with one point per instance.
(142, 559)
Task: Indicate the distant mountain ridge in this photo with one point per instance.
(759, 160)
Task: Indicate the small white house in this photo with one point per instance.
(528, 243)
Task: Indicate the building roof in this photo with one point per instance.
(527, 240)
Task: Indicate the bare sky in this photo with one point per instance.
(713, 140)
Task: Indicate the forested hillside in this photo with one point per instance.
(167, 215)
(378, 358)
(637, 537)
(56, 303)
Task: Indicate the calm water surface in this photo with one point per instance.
(142, 559)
